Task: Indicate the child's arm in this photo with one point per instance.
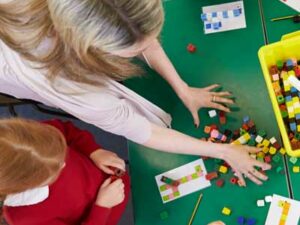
(193, 98)
(84, 142)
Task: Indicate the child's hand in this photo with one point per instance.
(103, 159)
(241, 162)
(217, 223)
(110, 194)
(197, 98)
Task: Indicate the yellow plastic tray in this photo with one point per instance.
(288, 47)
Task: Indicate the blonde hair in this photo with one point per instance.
(30, 154)
(83, 34)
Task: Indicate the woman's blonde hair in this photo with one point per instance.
(83, 34)
(31, 153)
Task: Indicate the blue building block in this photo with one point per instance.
(294, 90)
(246, 119)
(208, 26)
(236, 12)
(214, 14)
(293, 126)
(241, 220)
(203, 17)
(289, 64)
(225, 14)
(297, 116)
(288, 98)
(251, 221)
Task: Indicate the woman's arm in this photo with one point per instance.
(193, 98)
(237, 156)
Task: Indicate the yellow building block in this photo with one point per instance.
(265, 150)
(296, 169)
(261, 155)
(282, 151)
(223, 169)
(272, 151)
(266, 142)
(226, 211)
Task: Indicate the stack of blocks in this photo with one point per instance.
(214, 20)
(288, 97)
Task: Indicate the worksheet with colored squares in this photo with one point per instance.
(190, 176)
(283, 211)
(223, 17)
(295, 4)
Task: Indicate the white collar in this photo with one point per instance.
(29, 197)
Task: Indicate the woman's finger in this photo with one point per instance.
(253, 178)
(259, 175)
(222, 100)
(211, 87)
(220, 107)
(222, 94)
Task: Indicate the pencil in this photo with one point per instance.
(195, 209)
(284, 18)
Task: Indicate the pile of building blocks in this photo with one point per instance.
(246, 135)
(288, 97)
(296, 164)
(214, 20)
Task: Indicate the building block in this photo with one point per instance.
(276, 158)
(212, 113)
(223, 169)
(279, 169)
(220, 182)
(233, 180)
(211, 175)
(170, 181)
(259, 139)
(164, 215)
(268, 198)
(207, 129)
(268, 159)
(293, 160)
(241, 220)
(296, 169)
(282, 151)
(226, 211)
(272, 151)
(260, 203)
(191, 48)
(251, 221)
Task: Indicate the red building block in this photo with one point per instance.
(191, 48)
(268, 159)
(220, 183)
(233, 180)
(211, 175)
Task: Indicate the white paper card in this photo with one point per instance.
(283, 211)
(295, 4)
(191, 177)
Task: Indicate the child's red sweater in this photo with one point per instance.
(72, 197)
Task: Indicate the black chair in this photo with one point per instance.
(11, 102)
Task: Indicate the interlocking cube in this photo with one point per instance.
(223, 169)
(260, 203)
(226, 211)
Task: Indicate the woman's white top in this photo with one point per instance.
(113, 107)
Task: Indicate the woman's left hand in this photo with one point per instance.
(197, 98)
(104, 159)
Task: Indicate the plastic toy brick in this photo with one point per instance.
(260, 203)
(251, 142)
(276, 158)
(241, 220)
(212, 113)
(272, 151)
(296, 169)
(262, 133)
(164, 215)
(277, 145)
(279, 169)
(282, 151)
(265, 150)
(268, 159)
(220, 183)
(191, 48)
(226, 211)
(233, 180)
(289, 64)
(258, 139)
(273, 70)
(268, 198)
(246, 119)
(279, 64)
(223, 169)
(207, 129)
(169, 181)
(293, 160)
(251, 221)
(211, 175)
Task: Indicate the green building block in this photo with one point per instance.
(260, 159)
(176, 194)
(297, 136)
(262, 133)
(252, 142)
(279, 64)
(166, 198)
(276, 158)
(279, 169)
(163, 188)
(164, 215)
(242, 132)
(284, 114)
(195, 176)
(293, 160)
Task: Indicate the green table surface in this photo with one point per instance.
(230, 59)
(274, 9)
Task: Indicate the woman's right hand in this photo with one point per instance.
(237, 156)
(111, 194)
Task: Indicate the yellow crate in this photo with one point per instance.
(288, 47)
